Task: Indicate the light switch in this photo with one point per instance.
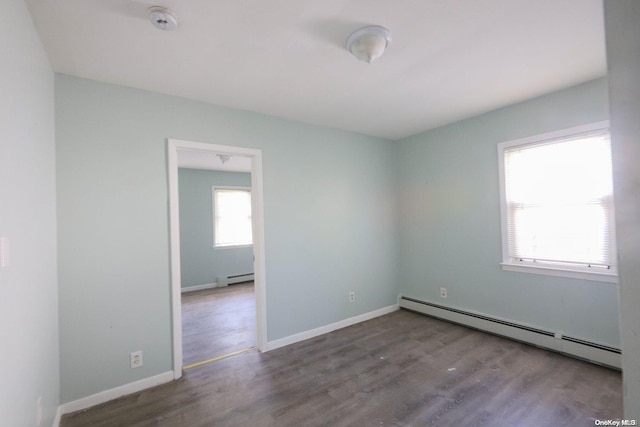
(4, 252)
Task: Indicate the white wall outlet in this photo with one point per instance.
(443, 292)
(352, 296)
(136, 359)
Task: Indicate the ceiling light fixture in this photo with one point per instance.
(224, 158)
(163, 18)
(369, 43)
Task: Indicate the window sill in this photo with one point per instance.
(561, 272)
(233, 246)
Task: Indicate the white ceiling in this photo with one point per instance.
(448, 60)
(196, 159)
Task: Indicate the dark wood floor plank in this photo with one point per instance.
(402, 369)
(218, 321)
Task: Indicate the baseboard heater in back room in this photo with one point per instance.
(594, 352)
(236, 278)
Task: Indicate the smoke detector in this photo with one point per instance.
(163, 18)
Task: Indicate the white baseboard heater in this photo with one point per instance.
(235, 278)
(593, 352)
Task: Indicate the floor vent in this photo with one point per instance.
(594, 352)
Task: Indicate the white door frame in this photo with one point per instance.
(257, 202)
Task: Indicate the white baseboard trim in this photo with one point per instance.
(56, 420)
(114, 393)
(520, 332)
(301, 336)
(199, 287)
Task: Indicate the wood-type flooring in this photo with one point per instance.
(218, 321)
(401, 369)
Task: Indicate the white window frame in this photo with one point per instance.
(572, 271)
(213, 214)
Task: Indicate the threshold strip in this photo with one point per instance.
(215, 359)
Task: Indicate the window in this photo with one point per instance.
(232, 217)
(557, 204)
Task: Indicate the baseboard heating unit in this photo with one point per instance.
(236, 278)
(576, 347)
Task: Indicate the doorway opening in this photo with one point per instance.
(227, 293)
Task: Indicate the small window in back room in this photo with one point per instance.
(557, 204)
(232, 217)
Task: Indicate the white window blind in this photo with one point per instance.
(559, 202)
(232, 219)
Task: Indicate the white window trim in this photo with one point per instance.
(213, 214)
(223, 247)
(576, 272)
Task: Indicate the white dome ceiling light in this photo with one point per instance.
(369, 43)
(163, 18)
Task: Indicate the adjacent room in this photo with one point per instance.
(336, 213)
(216, 256)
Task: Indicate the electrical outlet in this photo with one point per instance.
(136, 359)
(443, 292)
(352, 296)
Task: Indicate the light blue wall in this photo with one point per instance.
(329, 224)
(331, 200)
(28, 287)
(450, 221)
(200, 263)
